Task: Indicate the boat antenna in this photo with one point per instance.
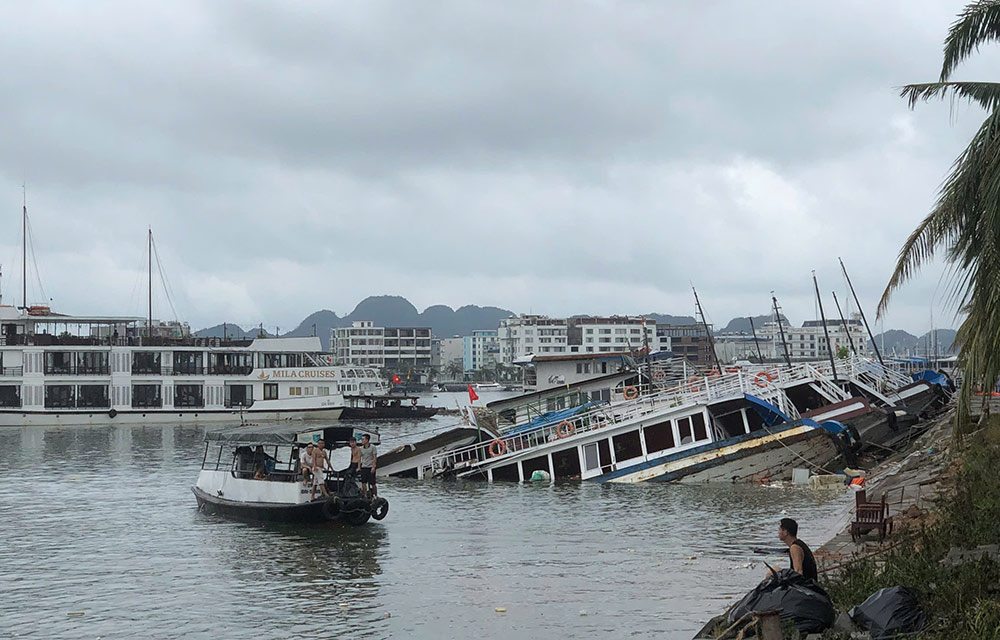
(781, 329)
(862, 312)
(711, 341)
(826, 331)
(850, 338)
(760, 357)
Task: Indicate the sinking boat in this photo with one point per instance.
(736, 427)
(256, 475)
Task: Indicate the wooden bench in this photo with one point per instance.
(870, 516)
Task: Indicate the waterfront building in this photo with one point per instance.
(534, 334)
(481, 350)
(690, 341)
(807, 342)
(367, 345)
(452, 352)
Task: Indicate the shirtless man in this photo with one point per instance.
(320, 464)
(354, 468)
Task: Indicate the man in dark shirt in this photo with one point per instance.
(801, 557)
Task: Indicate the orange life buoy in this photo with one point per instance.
(732, 369)
(694, 384)
(565, 429)
(497, 448)
(631, 393)
(762, 379)
(659, 375)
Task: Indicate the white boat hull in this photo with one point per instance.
(18, 418)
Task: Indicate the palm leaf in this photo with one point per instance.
(985, 94)
(978, 23)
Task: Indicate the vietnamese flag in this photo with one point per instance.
(472, 394)
(396, 379)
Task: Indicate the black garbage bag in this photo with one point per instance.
(889, 611)
(800, 600)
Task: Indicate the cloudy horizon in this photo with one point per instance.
(557, 158)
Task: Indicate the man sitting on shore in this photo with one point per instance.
(799, 554)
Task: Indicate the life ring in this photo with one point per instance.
(565, 429)
(732, 369)
(762, 379)
(380, 508)
(413, 402)
(112, 413)
(694, 384)
(331, 509)
(659, 375)
(631, 393)
(497, 448)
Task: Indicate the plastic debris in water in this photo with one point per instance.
(501, 609)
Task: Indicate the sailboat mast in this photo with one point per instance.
(760, 357)
(826, 331)
(862, 312)
(149, 318)
(781, 330)
(24, 250)
(850, 338)
(711, 342)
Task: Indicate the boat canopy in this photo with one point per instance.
(283, 435)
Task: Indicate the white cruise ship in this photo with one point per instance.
(73, 370)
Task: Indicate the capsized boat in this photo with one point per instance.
(254, 473)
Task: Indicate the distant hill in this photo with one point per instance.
(385, 311)
(742, 325)
(666, 318)
(902, 343)
(229, 330)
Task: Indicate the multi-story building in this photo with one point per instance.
(481, 350)
(362, 343)
(689, 341)
(365, 344)
(540, 335)
(452, 351)
(807, 342)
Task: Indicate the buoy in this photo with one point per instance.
(540, 476)
(501, 609)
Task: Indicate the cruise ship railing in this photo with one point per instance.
(77, 370)
(12, 371)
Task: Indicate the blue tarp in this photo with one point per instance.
(932, 376)
(552, 417)
(770, 414)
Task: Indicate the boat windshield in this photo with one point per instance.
(253, 462)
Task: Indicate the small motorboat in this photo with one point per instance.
(254, 473)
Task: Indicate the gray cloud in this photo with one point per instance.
(558, 157)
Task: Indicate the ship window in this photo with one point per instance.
(627, 446)
(684, 430)
(270, 390)
(146, 395)
(308, 391)
(529, 466)
(700, 433)
(590, 457)
(189, 395)
(322, 391)
(659, 436)
(566, 463)
(506, 473)
(295, 391)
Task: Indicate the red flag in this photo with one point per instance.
(472, 394)
(395, 379)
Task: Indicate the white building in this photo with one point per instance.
(807, 342)
(481, 350)
(365, 344)
(452, 350)
(540, 335)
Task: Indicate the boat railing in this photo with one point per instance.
(768, 384)
(12, 371)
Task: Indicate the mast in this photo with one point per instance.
(862, 312)
(826, 331)
(781, 330)
(24, 249)
(149, 318)
(850, 338)
(760, 357)
(711, 342)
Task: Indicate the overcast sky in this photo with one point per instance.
(552, 157)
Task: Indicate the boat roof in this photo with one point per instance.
(282, 434)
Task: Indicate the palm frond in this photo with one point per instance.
(978, 23)
(985, 94)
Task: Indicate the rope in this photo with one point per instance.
(812, 464)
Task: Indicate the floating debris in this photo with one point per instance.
(501, 609)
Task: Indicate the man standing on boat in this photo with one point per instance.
(320, 464)
(799, 554)
(306, 460)
(369, 459)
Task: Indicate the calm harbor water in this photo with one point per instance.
(101, 522)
